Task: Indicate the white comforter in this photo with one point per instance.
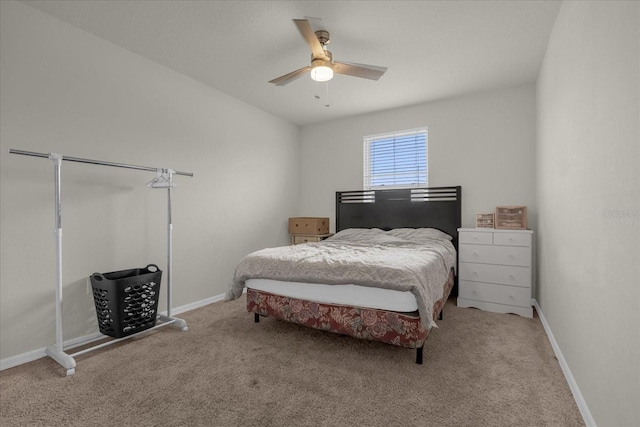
(415, 260)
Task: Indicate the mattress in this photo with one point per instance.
(348, 295)
(415, 261)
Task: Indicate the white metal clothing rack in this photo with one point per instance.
(56, 352)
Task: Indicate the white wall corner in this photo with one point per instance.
(575, 390)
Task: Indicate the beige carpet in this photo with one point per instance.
(480, 369)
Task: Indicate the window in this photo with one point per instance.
(396, 160)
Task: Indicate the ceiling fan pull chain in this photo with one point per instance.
(327, 102)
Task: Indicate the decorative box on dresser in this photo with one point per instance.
(495, 270)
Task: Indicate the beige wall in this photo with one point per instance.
(588, 183)
(66, 91)
(484, 142)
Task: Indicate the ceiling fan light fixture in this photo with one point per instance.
(322, 65)
(321, 70)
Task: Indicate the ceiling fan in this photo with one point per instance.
(322, 64)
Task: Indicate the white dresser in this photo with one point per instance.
(494, 272)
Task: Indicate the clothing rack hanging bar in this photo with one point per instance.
(56, 352)
(94, 162)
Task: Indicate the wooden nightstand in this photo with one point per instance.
(297, 239)
(495, 270)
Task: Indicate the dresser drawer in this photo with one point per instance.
(296, 240)
(512, 239)
(499, 294)
(476, 237)
(500, 274)
(501, 255)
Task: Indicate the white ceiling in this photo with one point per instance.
(433, 49)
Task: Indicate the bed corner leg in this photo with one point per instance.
(256, 317)
(419, 352)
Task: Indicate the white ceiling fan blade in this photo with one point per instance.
(289, 77)
(372, 72)
(310, 36)
(316, 23)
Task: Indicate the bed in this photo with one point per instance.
(385, 274)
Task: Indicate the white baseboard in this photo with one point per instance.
(575, 390)
(194, 305)
(10, 362)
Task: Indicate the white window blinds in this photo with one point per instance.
(396, 160)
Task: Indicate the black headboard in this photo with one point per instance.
(435, 207)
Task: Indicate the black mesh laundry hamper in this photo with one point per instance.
(127, 300)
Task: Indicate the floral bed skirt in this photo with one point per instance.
(401, 329)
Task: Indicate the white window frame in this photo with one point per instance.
(367, 152)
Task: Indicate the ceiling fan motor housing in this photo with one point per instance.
(323, 37)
